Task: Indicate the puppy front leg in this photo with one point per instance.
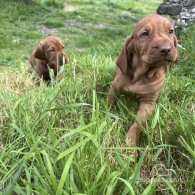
(133, 134)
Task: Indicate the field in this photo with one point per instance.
(64, 138)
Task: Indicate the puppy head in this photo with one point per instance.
(51, 50)
(153, 43)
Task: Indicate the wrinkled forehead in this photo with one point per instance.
(53, 42)
(153, 22)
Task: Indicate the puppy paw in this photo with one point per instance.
(132, 143)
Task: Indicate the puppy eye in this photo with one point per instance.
(145, 33)
(171, 31)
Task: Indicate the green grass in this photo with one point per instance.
(65, 139)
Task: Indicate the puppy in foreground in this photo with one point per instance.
(141, 68)
(49, 54)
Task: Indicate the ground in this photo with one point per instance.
(64, 138)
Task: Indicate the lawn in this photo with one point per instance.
(64, 138)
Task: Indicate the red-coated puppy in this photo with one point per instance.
(49, 54)
(141, 68)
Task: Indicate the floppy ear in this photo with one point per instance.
(175, 41)
(66, 59)
(124, 59)
(39, 52)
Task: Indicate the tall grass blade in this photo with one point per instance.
(50, 169)
(73, 148)
(129, 186)
(170, 186)
(64, 174)
(9, 189)
(113, 182)
(136, 173)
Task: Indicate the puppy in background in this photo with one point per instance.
(49, 54)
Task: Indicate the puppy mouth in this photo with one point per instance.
(53, 65)
(162, 61)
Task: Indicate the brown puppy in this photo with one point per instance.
(49, 54)
(141, 68)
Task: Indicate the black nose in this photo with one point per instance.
(165, 50)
